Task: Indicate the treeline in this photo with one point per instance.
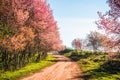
(27, 32)
(95, 41)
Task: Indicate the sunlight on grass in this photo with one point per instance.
(96, 65)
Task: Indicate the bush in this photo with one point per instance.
(113, 56)
(111, 66)
(67, 50)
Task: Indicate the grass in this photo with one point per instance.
(96, 66)
(29, 69)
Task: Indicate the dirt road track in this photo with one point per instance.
(63, 69)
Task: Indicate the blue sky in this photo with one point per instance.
(75, 18)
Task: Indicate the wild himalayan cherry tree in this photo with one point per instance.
(94, 40)
(76, 43)
(106, 43)
(98, 41)
(32, 28)
(110, 22)
(35, 14)
(45, 27)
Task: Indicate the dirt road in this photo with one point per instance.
(63, 69)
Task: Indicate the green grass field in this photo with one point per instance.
(29, 69)
(96, 65)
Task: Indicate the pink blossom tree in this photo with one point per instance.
(76, 43)
(31, 29)
(110, 22)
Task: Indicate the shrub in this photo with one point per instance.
(111, 66)
(113, 56)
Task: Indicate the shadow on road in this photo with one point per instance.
(60, 60)
(83, 77)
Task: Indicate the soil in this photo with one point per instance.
(63, 69)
